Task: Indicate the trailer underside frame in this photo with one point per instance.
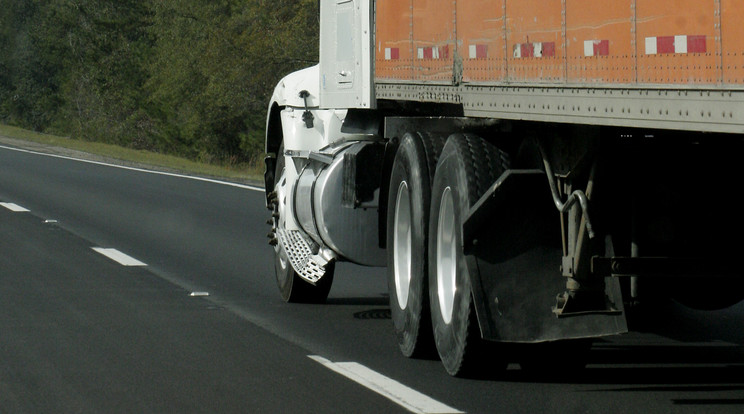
(689, 109)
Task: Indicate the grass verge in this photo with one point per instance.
(141, 158)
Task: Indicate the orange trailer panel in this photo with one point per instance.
(481, 40)
(534, 35)
(434, 40)
(732, 41)
(393, 52)
(600, 41)
(574, 42)
(676, 41)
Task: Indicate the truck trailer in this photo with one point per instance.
(533, 173)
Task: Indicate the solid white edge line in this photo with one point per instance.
(400, 394)
(118, 257)
(123, 167)
(14, 207)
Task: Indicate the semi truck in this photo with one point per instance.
(534, 174)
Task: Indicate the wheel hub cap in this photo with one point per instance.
(402, 245)
(446, 256)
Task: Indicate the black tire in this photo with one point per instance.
(407, 220)
(467, 166)
(293, 288)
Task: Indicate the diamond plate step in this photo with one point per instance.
(308, 266)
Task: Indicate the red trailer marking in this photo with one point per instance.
(696, 44)
(537, 49)
(478, 51)
(392, 53)
(596, 48)
(676, 44)
(435, 52)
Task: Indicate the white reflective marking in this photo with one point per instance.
(119, 257)
(537, 49)
(588, 48)
(199, 294)
(402, 395)
(651, 46)
(680, 44)
(208, 180)
(14, 207)
(517, 51)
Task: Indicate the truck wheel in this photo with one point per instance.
(408, 216)
(467, 166)
(292, 287)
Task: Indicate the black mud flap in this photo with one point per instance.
(512, 241)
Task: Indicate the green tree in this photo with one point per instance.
(104, 49)
(191, 77)
(29, 81)
(215, 66)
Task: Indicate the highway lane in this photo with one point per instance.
(81, 333)
(207, 237)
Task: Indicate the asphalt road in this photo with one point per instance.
(199, 326)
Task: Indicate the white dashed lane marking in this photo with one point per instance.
(14, 207)
(119, 257)
(112, 254)
(400, 394)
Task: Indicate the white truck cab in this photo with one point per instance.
(318, 214)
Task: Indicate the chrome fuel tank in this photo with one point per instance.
(352, 232)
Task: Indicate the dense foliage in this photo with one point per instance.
(189, 77)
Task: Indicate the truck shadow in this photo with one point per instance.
(698, 369)
(671, 348)
(699, 375)
(360, 301)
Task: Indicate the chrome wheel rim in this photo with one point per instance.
(402, 245)
(446, 256)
